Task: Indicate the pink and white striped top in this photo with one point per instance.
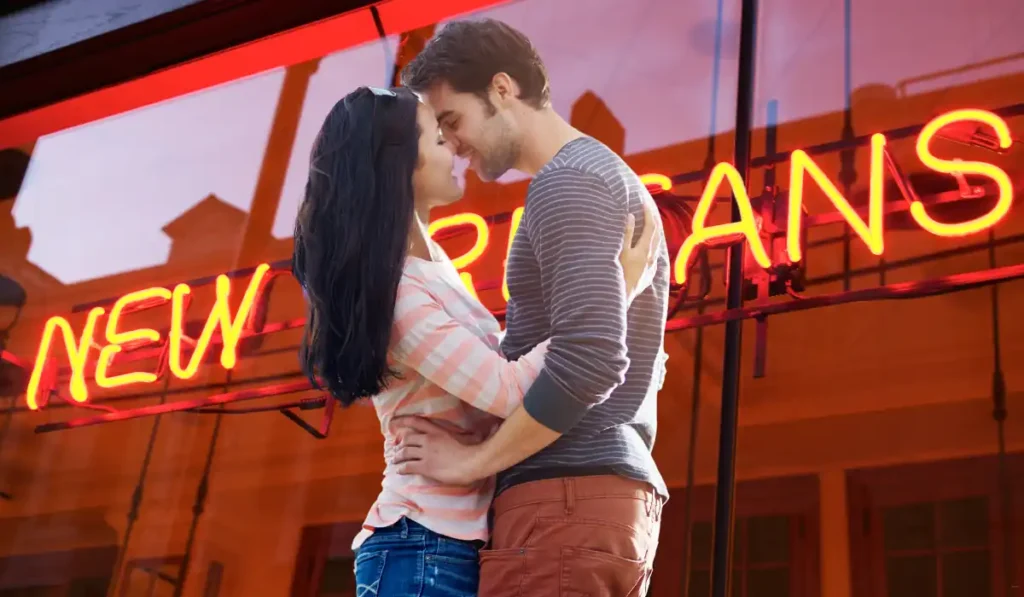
(445, 347)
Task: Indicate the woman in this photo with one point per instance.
(389, 319)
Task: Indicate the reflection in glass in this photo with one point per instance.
(911, 576)
(964, 523)
(909, 527)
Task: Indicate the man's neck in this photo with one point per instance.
(544, 135)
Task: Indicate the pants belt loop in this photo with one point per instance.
(405, 528)
(570, 495)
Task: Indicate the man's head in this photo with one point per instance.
(480, 76)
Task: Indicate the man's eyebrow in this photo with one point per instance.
(444, 115)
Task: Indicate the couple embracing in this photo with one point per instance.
(517, 462)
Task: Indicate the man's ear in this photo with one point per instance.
(504, 87)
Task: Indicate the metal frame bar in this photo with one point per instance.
(721, 542)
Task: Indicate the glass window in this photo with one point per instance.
(938, 549)
(761, 557)
(338, 580)
(938, 529)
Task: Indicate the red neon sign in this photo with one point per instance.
(233, 326)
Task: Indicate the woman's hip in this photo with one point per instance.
(408, 559)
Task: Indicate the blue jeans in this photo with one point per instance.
(408, 560)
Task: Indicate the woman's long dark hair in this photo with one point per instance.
(351, 237)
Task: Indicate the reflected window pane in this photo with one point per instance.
(88, 587)
(768, 540)
(911, 576)
(700, 583)
(701, 535)
(966, 574)
(771, 582)
(338, 579)
(700, 543)
(964, 523)
(909, 527)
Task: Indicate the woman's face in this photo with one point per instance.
(433, 182)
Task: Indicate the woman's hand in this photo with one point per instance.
(639, 262)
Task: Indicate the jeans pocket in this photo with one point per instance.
(589, 573)
(502, 572)
(450, 576)
(369, 569)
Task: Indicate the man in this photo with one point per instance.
(579, 497)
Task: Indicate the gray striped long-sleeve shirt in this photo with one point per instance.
(606, 363)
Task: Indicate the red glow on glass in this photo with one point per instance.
(233, 326)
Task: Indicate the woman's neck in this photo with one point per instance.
(419, 237)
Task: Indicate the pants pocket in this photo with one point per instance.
(369, 569)
(447, 576)
(502, 572)
(589, 573)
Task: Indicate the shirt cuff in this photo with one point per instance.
(552, 406)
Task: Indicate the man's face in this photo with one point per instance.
(482, 132)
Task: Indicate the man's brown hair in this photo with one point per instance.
(467, 55)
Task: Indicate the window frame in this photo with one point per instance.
(870, 491)
(796, 497)
(58, 568)
(317, 545)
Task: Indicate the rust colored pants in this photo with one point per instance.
(572, 537)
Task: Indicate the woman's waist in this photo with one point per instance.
(447, 509)
(427, 493)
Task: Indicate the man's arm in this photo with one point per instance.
(575, 227)
(521, 435)
(583, 280)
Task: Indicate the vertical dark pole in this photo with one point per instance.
(691, 457)
(119, 580)
(847, 172)
(999, 414)
(721, 565)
